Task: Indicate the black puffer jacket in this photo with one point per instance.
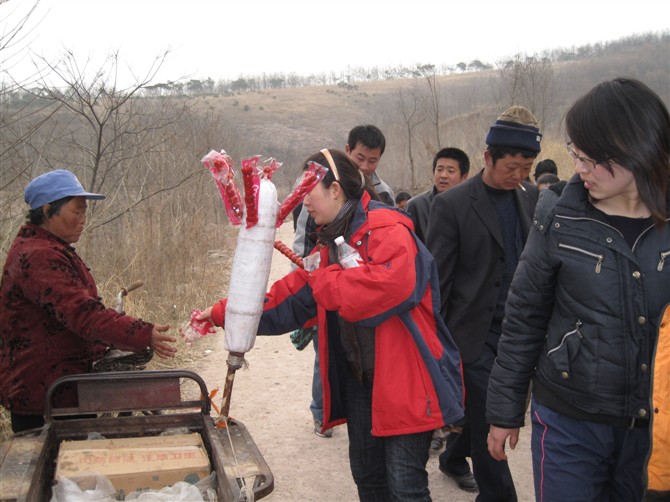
(582, 314)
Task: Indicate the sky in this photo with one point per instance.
(232, 38)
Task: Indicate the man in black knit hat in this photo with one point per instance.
(476, 232)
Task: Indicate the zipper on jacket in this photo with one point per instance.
(599, 258)
(428, 410)
(578, 325)
(664, 255)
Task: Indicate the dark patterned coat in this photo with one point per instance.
(52, 321)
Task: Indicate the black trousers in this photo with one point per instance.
(453, 458)
(493, 477)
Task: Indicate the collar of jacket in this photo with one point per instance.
(371, 214)
(30, 230)
(573, 202)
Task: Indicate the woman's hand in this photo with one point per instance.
(497, 438)
(161, 343)
(205, 315)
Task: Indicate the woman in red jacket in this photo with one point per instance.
(52, 322)
(389, 367)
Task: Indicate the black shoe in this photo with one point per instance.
(466, 482)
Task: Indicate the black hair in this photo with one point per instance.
(402, 196)
(351, 179)
(623, 121)
(550, 178)
(37, 216)
(546, 166)
(498, 152)
(453, 153)
(370, 136)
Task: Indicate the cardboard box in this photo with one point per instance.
(135, 464)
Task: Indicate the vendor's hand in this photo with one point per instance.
(161, 343)
(497, 438)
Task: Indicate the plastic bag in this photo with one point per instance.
(180, 491)
(66, 490)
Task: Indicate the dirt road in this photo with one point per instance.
(272, 399)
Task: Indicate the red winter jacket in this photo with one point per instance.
(52, 322)
(417, 382)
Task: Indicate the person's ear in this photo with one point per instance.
(336, 189)
(45, 211)
(347, 149)
(488, 159)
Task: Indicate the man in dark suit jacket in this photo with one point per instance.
(476, 232)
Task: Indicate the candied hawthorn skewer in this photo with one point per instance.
(251, 185)
(221, 166)
(312, 175)
(288, 252)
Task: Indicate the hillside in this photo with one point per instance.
(291, 123)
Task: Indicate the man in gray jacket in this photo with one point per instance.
(450, 168)
(476, 232)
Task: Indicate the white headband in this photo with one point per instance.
(331, 163)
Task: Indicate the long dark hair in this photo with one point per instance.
(351, 179)
(625, 122)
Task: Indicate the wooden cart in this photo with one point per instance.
(132, 404)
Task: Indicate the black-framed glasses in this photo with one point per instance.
(584, 160)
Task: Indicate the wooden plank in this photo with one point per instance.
(19, 454)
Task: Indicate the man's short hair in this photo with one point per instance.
(550, 178)
(370, 136)
(453, 153)
(545, 166)
(402, 196)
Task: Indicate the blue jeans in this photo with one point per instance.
(317, 387)
(584, 461)
(390, 468)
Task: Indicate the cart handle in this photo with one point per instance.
(128, 391)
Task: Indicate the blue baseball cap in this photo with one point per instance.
(53, 186)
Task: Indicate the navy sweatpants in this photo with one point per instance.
(576, 460)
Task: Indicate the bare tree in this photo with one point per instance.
(427, 71)
(410, 103)
(15, 105)
(528, 81)
(109, 131)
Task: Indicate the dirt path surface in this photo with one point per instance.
(272, 399)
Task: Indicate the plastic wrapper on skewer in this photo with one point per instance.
(195, 330)
(310, 177)
(221, 166)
